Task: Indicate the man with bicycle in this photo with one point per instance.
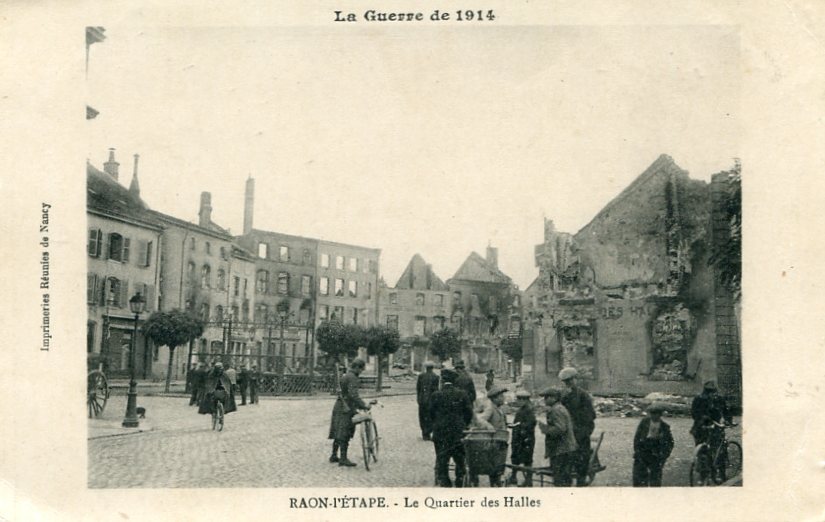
(708, 408)
(341, 428)
(218, 387)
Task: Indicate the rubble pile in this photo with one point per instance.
(675, 405)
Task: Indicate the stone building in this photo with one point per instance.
(123, 259)
(416, 306)
(630, 300)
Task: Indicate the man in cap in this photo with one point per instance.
(708, 407)
(217, 387)
(426, 385)
(464, 381)
(451, 411)
(580, 406)
(652, 445)
(198, 381)
(524, 437)
(559, 439)
(341, 428)
(492, 418)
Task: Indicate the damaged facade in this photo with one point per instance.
(630, 300)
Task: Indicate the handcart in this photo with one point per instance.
(483, 455)
(545, 476)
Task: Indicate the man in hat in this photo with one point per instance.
(652, 445)
(198, 381)
(492, 418)
(217, 387)
(580, 406)
(524, 437)
(708, 407)
(254, 377)
(464, 381)
(559, 438)
(451, 411)
(243, 383)
(341, 428)
(426, 385)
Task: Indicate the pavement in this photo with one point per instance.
(283, 443)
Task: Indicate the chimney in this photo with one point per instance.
(492, 256)
(110, 167)
(205, 212)
(134, 187)
(249, 203)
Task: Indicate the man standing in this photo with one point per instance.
(243, 382)
(217, 387)
(341, 428)
(491, 379)
(560, 441)
(233, 378)
(652, 445)
(492, 418)
(580, 406)
(198, 381)
(524, 438)
(254, 377)
(708, 407)
(464, 381)
(451, 411)
(425, 387)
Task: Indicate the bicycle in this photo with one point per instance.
(369, 435)
(218, 413)
(715, 464)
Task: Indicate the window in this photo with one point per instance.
(338, 313)
(237, 283)
(353, 264)
(373, 268)
(303, 316)
(221, 279)
(458, 323)
(419, 299)
(115, 247)
(365, 266)
(204, 312)
(205, 276)
(283, 283)
(323, 312)
(352, 286)
(223, 253)
(456, 298)
(369, 290)
(192, 244)
(235, 313)
(262, 282)
(420, 326)
(190, 271)
(306, 285)
(324, 286)
(219, 313)
(90, 336)
(208, 248)
(354, 316)
(245, 284)
(263, 250)
(91, 288)
(261, 312)
(439, 323)
(392, 322)
(95, 242)
(144, 253)
(393, 298)
(112, 292)
(245, 311)
(307, 257)
(283, 253)
(339, 262)
(516, 301)
(492, 303)
(439, 299)
(325, 260)
(339, 287)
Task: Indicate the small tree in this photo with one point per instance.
(173, 328)
(336, 339)
(445, 344)
(511, 346)
(381, 341)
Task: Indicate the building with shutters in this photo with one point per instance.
(123, 259)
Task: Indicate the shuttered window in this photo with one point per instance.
(91, 288)
(95, 242)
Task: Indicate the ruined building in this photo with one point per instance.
(630, 300)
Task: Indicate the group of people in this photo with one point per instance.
(208, 385)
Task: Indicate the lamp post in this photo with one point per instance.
(137, 304)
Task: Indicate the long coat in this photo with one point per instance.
(524, 435)
(465, 382)
(708, 407)
(493, 419)
(348, 402)
(652, 450)
(580, 407)
(451, 411)
(210, 386)
(559, 436)
(426, 385)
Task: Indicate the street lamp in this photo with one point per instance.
(137, 304)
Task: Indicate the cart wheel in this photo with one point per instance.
(97, 393)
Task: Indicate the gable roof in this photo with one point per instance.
(419, 276)
(476, 268)
(105, 195)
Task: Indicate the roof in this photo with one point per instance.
(476, 268)
(106, 196)
(307, 238)
(191, 226)
(420, 276)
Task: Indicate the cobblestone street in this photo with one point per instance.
(283, 443)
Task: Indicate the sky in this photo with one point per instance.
(427, 140)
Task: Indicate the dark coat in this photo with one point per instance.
(198, 377)
(580, 406)
(347, 404)
(708, 407)
(652, 450)
(426, 385)
(465, 382)
(451, 411)
(524, 435)
(243, 378)
(559, 434)
(210, 386)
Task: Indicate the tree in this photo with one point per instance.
(336, 339)
(381, 341)
(726, 256)
(173, 328)
(445, 344)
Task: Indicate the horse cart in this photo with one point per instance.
(97, 386)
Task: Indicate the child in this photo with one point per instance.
(560, 442)
(524, 437)
(651, 448)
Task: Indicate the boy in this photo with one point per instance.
(524, 438)
(652, 445)
(560, 442)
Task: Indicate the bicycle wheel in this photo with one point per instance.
(698, 473)
(220, 415)
(374, 431)
(364, 446)
(728, 462)
(214, 417)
